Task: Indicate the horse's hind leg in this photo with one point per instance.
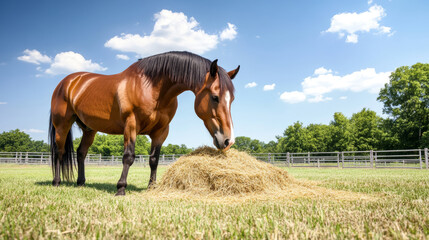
(158, 138)
(61, 134)
(82, 150)
(129, 153)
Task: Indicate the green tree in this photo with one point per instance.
(251, 145)
(175, 149)
(425, 140)
(367, 131)
(108, 145)
(293, 139)
(39, 146)
(18, 141)
(142, 145)
(270, 147)
(406, 100)
(318, 138)
(341, 135)
(313, 138)
(389, 139)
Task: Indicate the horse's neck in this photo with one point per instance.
(168, 91)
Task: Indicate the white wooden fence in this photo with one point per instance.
(410, 158)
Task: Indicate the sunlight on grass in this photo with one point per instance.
(31, 208)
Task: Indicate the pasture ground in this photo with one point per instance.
(31, 208)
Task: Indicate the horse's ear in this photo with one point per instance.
(233, 73)
(213, 68)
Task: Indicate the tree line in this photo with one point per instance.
(106, 145)
(405, 101)
(362, 131)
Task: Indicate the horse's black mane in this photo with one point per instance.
(182, 67)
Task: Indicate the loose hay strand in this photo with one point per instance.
(211, 174)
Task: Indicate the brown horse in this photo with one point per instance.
(140, 100)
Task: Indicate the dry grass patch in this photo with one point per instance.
(210, 174)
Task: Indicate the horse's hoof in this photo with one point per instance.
(80, 183)
(151, 184)
(121, 192)
(55, 184)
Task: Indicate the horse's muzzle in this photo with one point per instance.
(221, 142)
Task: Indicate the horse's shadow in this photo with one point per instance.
(107, 187)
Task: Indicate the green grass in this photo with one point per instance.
(31, 208)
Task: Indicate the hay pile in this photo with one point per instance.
(214, 174)
(208, 171)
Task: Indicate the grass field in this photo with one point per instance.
(31, 208)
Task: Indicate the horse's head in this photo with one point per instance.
(213, 105)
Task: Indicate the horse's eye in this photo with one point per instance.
(215, 99)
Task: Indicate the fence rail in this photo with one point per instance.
(409, 158)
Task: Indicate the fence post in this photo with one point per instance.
(420, 159)
(99, 159)
(371, 158)
(426, 158)
(41, 158)
(269, 158)
(318, 162)
(308, 158)
(375, 159)
(288, 159)
(338, 160)
(163, 158)
(26, 157)
(291, 159)
(342, 159)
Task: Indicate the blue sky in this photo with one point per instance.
(322, 56)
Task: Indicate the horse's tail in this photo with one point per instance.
(68, 160)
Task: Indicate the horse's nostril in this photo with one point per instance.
(226, 142)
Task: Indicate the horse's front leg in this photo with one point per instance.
(153, 163)
(85, 143)
(129, 154)
(158, 139)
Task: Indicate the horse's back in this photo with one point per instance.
(92, 98)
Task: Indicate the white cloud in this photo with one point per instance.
(173, 31)
(353, 23)
(370, 2)
(251, 85)
(321, 71)
(315, 87)
(352, 38)
(68, 62)
(32, 130)
(319, 98)
(343, 97)
(269, 87)
(385, 30)
(364, 80)
(229, 33)
(293, 97)
(122, 56)
(3, 103)
(34, 56)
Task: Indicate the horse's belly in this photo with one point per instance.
(102, 125)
